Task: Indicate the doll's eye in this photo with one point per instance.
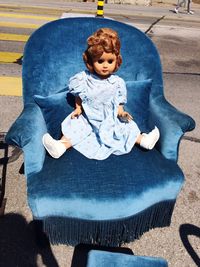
(100, 61)
(110, 61)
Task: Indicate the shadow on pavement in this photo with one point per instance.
(81, 252)
(185, 231)
(18, 244)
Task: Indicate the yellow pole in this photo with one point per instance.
(100, 5)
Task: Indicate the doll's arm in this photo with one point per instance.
(124, 115)
(78, 107)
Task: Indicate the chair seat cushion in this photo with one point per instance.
(115, 188)
(108, 259)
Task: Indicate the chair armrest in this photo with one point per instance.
(26, 133)
(172, 124)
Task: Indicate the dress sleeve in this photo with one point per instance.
(122, 92)
(77, 83)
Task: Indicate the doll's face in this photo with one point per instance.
(105, 65)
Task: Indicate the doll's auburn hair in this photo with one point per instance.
(103, 40)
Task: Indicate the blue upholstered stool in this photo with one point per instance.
(98, 258)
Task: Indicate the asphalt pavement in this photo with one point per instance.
(179, 243)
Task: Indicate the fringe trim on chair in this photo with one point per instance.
(72, 231)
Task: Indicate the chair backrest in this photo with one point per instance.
(54, 53)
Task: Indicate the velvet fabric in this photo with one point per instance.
(92, 190)
(98, 258)
(26, 133)
(172, 125)
(138, 93)
(55, 109)
(79, 199)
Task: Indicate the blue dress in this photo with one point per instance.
(98, 132)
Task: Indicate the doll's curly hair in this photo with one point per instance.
(103, 40)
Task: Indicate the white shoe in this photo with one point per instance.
(54, 147)
(191, 12)
(149, 140)
(176, 10)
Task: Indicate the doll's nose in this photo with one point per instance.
(105, 65)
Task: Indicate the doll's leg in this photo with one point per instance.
(149, 140)
(56, 148)
(66, 142)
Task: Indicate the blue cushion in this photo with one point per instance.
(138, 102)
(55, 109)
(74, 186)
(109, 259)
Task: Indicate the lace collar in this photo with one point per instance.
(92, 76)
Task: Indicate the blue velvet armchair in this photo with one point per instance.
(107, 202)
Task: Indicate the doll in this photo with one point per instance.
(99, 126)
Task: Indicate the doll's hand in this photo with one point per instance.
(76, 113)
(125, 116)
